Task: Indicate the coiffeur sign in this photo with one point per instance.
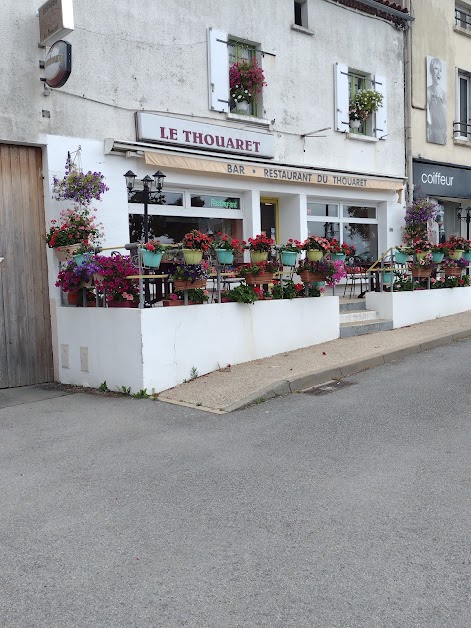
(166, 130)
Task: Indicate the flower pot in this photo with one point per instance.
(64, 253)
(355, 124)
(175, 302)
(387, 277)
(224, 256)
(79, 259)
(309, 277)
(97, 278)
(182, 284)
(314, 256)
(151, 259)
(73, 298)
(400, 257)
(123, 304)
(452, 272)
(261, 278)
(467, 256)
(420, 273)
(192, 256)
(421, 255)
(337, 257)
(437, 257)
(242, 106)
(456, 255)
(288, 258)
(258, 256)
(318, 284)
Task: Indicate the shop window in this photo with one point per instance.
(171, 229)
(300, 13)
(463, 16)
(215, 202)
(223, 52)
(462, 126)
(324, 229)
(364, 237)
(355, 211)
(322, 209)
(348, 82)
(155, 198)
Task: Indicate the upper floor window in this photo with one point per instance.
(235, 75)
(300, 13)
(348, 82)
(463, 15)
(462, 126)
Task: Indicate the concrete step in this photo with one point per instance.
(352, 304)
(358, 329)
(357, 316)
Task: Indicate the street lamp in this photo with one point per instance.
(465, 217)
(149, 183)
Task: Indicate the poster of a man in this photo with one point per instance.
(436, 101)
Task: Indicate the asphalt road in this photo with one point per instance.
(351, 509)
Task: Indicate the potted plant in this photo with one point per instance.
(259, 273)
(195, 243)
(438, 253)
(225, 247)
(455, 246)
(243, 294)
(289, 252)
(454, 268)
(362, 105)
(417, 217)
(195, 297)
(259, 248)
(151, 253)
(112, 280)
(189, 276)
(246, 80)
(309, 272)
(73, 278)
(340, 251)
(73, 229)
(422, 267)
(422, 248)
(402, 254)
(325, 270)
(316, 247)
(77, 186)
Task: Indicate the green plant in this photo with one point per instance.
(259, 267)
(154, 246)
(292, 246)
(141, 394)
(197, 295)
(286, 290)
(125, 390)
(243, 294)
(193, 373)
(364, 103)
(103, 387)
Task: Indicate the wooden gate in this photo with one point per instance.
(25, 324)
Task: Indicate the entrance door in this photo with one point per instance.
(269, 217)
(25, 323)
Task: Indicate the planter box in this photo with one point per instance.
(157, 347)
(407, 308)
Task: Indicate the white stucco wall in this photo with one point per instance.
(408, 308)
(157, 348)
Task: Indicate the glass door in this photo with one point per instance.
(269, 217)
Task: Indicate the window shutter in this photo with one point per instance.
(342, 121)
(218, 70)
(381, 119)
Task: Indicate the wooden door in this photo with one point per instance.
(25, 323)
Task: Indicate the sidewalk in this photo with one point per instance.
(238, 386)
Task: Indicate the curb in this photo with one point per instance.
(315, 378)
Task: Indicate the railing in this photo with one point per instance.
(461, 129)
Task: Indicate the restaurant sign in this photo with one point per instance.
(56, 20)
(58, 65)
(165, 130)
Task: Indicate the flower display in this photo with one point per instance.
(261, 243)
(364, 103)
(73, 227)
(197, 240)
(73, 276)
(190, 272)
(416, 218)
(316, 243)
(77, 186)
(454, 263)
(331, 271)
(259, 267)
(246, 80)
(424, 262)
(154, 246)
(224, 241)
(112, 277)
(293, 246)
(456, 243)
(342, 249)
(422, 246)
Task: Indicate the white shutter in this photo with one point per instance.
(342, 120)
(218, 70)
(381, 117)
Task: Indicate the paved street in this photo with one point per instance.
(350, 509)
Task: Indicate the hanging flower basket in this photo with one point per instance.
(64, 253)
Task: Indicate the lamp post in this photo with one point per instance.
(149, 183)
(467, 219)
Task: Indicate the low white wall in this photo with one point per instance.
(157, 348)
(211, 336)
(108, 339)
(407, 308)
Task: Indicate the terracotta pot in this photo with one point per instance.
(308, 277)
(421, 273)
(64, 253)
(123, 304)
(261, 278)
(173, 303)
(452, 272)
(181, 284)
(73, 298)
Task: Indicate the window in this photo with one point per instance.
(463, 16)
(300, 13)
(462, 127)
(171, 229)
(348, 82)
(355, 225)
(155, 198)
(223, 52)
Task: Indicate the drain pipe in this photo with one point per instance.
(408, 107)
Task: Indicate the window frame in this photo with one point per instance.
(303, 14)
(255, 108)
(458, 132)
(464, 9)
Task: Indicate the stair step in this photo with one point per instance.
(355, 316)
(358, 329)
(355, 304)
